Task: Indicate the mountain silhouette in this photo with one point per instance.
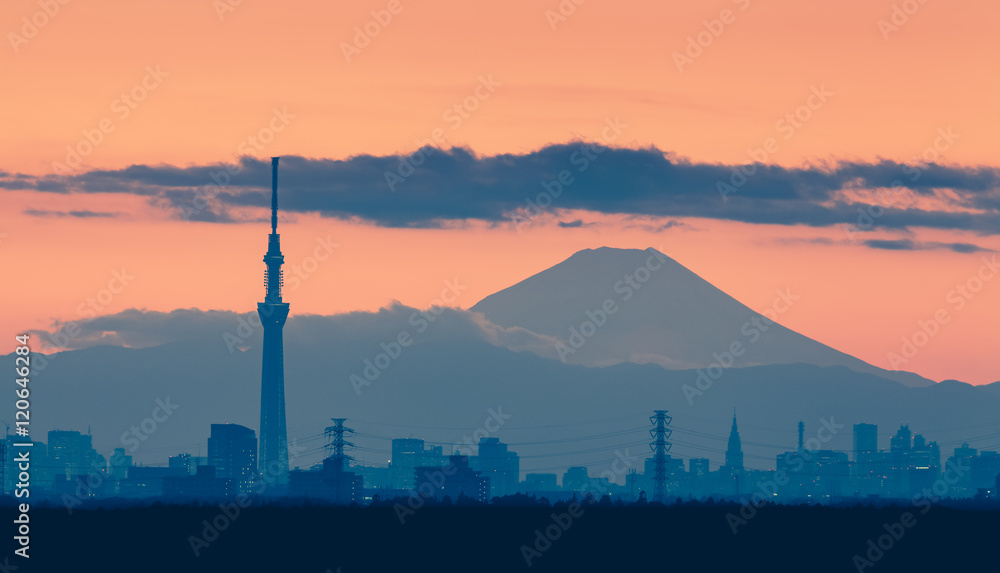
(673, 318)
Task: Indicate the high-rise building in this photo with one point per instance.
(185, 462)
(698, 466)
(865, 440)
(963, 457)
(232, 449)
(902, 441)
(70, 453)
(119, 464)
(868, 462)
(925, 464)
(273, 313)
(500, 465)
(734, 451)
(575, 478)
(407, 455)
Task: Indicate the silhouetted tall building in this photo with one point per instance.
(273, 312)
(925, 464)
(865, 440)
(232, 449)
(575, 478)
(734, 452)
(698, 466)
(869, 463)
(963, 457)
(407, 455)
(119, 465)
(187, 462)
(902, 440)
(70, 453)
(500, 465)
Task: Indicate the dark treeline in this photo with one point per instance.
(591, 535)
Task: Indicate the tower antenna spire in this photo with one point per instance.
(274, 194)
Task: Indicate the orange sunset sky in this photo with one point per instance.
(561, 70)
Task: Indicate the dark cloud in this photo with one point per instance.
(79, 214)
(434, 186)
(891, 244)
(672, 224)
(808, 241)
(909, 245)
(966, 248)
(571, 224)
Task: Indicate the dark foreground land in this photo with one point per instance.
(651, 538)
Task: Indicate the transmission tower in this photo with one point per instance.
(337, 443)
(660, 446)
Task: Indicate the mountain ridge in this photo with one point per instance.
(673, 318)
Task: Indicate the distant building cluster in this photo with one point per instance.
(67, 468)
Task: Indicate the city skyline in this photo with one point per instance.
(908, 465)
